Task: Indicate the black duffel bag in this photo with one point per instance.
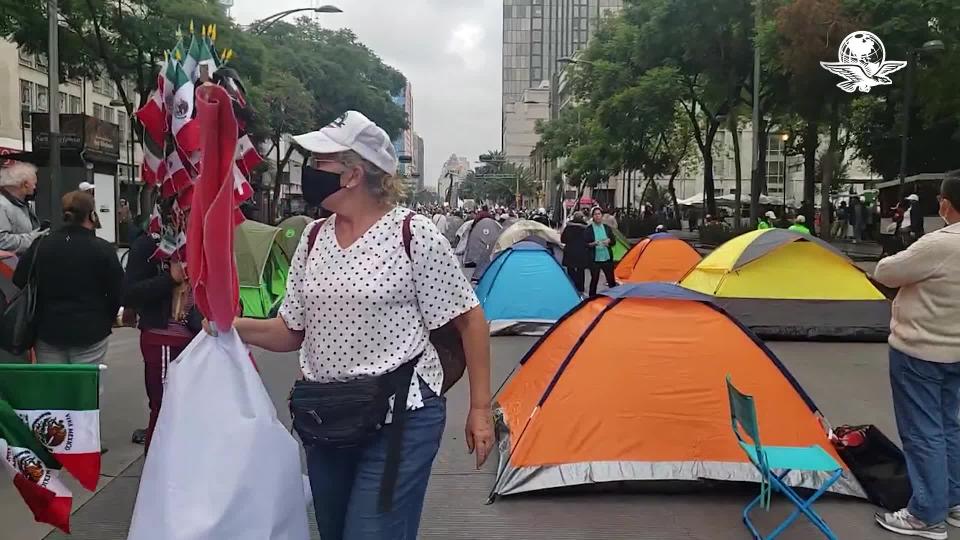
(877, 463)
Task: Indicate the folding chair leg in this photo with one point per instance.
(746, 517)
(804, 506)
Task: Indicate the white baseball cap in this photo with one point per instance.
(86, 186)
(356, 132)
(913, 197)
(770, 214)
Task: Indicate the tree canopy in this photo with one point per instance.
(125, 41)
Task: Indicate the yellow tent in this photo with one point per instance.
(788, 285)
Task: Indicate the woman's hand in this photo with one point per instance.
(209, 328)
(479, 431)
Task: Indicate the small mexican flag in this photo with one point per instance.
(186, 132)
(59, 404)
(34, 471)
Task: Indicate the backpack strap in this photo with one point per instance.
(407, 234)
(312, 236)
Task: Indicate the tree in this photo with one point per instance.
(284, 106)
(804, 33)
(124, 39)
(876, 119)
(339, 71)
(706, 42)
(497, 180)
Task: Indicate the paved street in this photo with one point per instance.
(848, 381)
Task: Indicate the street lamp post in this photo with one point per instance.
(783, 150)
(262, 25)
(928, 47)
(53, 106)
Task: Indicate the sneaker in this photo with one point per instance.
(903, 522)
(953, 516)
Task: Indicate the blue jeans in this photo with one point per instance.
(346, 483)
(926, 401)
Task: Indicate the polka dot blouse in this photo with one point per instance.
(368, 309)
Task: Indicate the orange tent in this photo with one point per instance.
(630, 386)
(658, 257)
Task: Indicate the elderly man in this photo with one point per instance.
(925, 371)
(19, 226)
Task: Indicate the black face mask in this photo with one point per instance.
(317, 185)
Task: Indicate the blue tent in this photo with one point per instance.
(524, 283)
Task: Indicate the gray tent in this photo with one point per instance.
(453, 225)
(483, 235)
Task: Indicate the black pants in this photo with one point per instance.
(577, 276)
(607, 269)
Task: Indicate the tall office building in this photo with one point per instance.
(418, 159)
(538, 32)
(404, 142)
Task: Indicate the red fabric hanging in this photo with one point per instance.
(211, 265)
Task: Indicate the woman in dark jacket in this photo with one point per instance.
(575, 258)
(157, 288)
(78, 278)
(599, 239)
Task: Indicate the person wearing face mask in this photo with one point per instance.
(925, 370)
(78, 278)
(365, 289)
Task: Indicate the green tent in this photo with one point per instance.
(262, 267)
(292, 229)
(622, 245)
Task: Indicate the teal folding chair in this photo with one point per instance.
(782, 459)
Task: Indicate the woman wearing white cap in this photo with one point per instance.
(365, 290)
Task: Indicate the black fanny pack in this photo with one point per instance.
(350, 414)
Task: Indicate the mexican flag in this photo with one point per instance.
(207, 58)
(247, 156)
(60, 404)
(192, 59)
(153, 115)
(185, 130)
(35, 473)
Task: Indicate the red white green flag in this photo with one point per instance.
(60, 404)
(185, 129)
(34, 472)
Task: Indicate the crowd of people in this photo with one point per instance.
(385, 280)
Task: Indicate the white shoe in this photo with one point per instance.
(953, 516)
(905, 523)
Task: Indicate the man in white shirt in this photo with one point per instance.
(925, 371)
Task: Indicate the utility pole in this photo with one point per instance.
(53, 106)
(755, 182)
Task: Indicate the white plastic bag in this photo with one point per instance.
(221, 466)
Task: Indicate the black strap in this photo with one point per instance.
(407, 234)
(391, 468)
(312, 236)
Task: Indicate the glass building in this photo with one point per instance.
(538, 32)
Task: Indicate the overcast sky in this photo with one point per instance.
(449, 50)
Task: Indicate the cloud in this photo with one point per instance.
(465, 41)
(448, 49)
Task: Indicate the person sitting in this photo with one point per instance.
(799, 225)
